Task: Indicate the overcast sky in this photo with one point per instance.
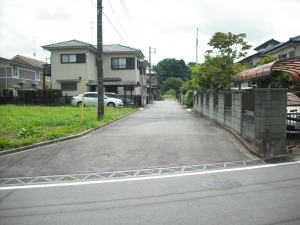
(170, 26)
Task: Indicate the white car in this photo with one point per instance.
(91, 99)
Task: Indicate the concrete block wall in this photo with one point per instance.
(270, 121)
(237, 111)
(211, 106)
(204, 105)
(265, 130)
(248, 128)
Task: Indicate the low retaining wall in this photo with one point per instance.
(263, 127)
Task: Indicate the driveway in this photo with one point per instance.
(162, 135)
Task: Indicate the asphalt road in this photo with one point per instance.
(267, 194)
(162, 135)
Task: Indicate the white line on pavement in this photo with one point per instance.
(146, 178)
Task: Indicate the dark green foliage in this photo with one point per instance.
(189, 98)
(8, 92)
(34, 96)
(172, 68)
(173, 83)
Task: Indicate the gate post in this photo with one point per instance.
(270, 121)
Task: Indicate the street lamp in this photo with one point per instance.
(150, 51)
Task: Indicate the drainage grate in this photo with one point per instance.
(221, 185)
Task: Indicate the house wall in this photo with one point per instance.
(72, 72)
(264, 129)
(13, 82)
(124, 74)
(281, 51)
(2, 77)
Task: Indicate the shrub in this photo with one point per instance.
(8, 92)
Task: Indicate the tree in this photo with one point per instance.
(172, 83)
(227, 48)
(172, 68)
(192, 64)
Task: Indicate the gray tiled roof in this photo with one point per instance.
(272, 47)
(297, 38)
(118, 48)
(71, 43)
(5, 60)
(106, 48)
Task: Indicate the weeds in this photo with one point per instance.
(26, 125)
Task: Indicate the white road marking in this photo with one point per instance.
(146, 178)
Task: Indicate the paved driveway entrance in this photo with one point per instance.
(163, 135)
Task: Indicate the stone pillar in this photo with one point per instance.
(211, 105)
(270, 121)
(237, 111)
(221, 108)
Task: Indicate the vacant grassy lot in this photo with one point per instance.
(26, 125)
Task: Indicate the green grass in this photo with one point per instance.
(27, 125)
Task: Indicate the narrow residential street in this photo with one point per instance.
(161, 165)
(164, 134)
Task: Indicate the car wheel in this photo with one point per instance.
(79, 104)
(111, 104)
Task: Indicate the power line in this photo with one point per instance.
(112, 25)
(94, 4)
(193, 28)
(115, 29)
(119, 22)
(125, 9)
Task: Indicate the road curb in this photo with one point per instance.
(45, 143)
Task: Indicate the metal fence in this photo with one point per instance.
(293, 130)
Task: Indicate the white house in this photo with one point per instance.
(279, 50)
(73, 62)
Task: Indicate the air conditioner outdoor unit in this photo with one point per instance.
(22, 81)
(34, 82)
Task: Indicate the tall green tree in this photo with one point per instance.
(172, 68)
(227, 49)
(172, 83)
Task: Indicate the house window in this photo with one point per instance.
(15, 72)
(73, 58)
(37, 75)
(47, 78)
(69, 86)
(122, 63)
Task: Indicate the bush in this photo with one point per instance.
(189, 98)
(8, 92)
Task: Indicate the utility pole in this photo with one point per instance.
(100, 60)
(154, 51)
(197, 47)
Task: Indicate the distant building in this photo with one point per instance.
(279, 50)
(74, 61)
(21, 72)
